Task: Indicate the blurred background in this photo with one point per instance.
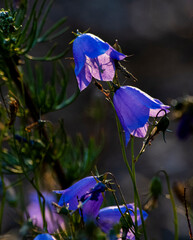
(157, 35)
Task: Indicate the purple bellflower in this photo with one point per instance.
(94, 58)
(108, 217)
(134, 107)
(44, 236)
(53, 219)
(86, 194)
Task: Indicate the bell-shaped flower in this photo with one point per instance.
(108, 217)
(44, 236)
(85, 194)
(53, 219)
(94, 58)
(134, 107)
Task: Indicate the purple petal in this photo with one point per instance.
(110, 216)
(132, 113)
(84, 78)
(89, 45)
(158, 112)
(91, 208)
(44, 236)
(135, 94)
(102, 67)
(140, 132)
(134, 107)
(54, 220)
(71, 195)
(130, 236)
(115, 54)
(93, 58)
(127, 135)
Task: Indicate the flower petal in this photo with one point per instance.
(115, 54)
(102, 67)
(134, 107)
(140, 132)
(54, 221)
(89, 45)
(91, 208)
(110, 216)
(71, 195)
(84, 78)
(44, 236)
(142, 97)
(132, 113)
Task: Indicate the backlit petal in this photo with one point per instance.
(140, 132)
(110, 216)
(71, 195)
(84, 78)
(102, 68)
(115, 54)
(134, 107)
(87, 45)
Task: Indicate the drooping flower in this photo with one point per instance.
(44, 236)
(108, 217)
(53, 219)
(134, 107)
(94, 58)
(86, 194)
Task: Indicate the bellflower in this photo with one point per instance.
(87, 192)
(44, 236)
(94, 58)
(54, 220)
(108, 217)
(133, 108)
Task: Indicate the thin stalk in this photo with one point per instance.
(130, 171)
(133, 171)
(187, 216)
(42, 207)
(173, 203)
(117, 203)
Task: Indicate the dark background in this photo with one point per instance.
(159, 36)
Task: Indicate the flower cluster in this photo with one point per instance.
(88, 192)
(95, 58)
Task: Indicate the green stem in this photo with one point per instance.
(117, 203)
(173, 203)
(133, 171)
(40, 195)
(130, 171)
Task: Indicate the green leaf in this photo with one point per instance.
(47, 57)
(52, 29)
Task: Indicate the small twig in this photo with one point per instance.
(187, 215)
